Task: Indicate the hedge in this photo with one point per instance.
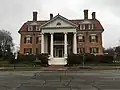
(74, 59)
(89, 59)
(30, 59)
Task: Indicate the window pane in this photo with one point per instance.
(34, 27)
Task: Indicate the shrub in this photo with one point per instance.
(74, 59)
(43, 58)
(98, 59)
(117, 58)
(25, 59)
(89, 59)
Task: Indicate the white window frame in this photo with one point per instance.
(28, 38)
(37, 28)
(30, 28)
(89, 26)
(92, 26)
(80, 26)
(83, 26)
(93, 37)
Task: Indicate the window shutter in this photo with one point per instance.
(90, 50)
(30, 50)
(90, 38)
(96, 38)
(30, 39)
(94, 26)
(83, 38)
(37, 39)
(24, 39)
(97, 50)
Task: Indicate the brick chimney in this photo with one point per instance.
(86, 14)
(93, 15)
(34, 16)
(51, 16)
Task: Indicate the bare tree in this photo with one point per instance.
(6, 41)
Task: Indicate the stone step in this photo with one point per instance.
(57, 61)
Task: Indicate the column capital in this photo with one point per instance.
(65, 32)
(74, 32)
(51, 33)
(42, 33)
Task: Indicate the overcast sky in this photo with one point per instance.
(13, 13)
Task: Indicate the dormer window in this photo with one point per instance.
(82, 26)
(86, 26)
(93, 26)
(34, 27)
(30, 28)
(58, 23)
(37, 28)
(90, 26)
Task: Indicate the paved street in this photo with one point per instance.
(63, 80)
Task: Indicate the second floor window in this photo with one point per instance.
(27, 39)
(93, 38)
(81, 38)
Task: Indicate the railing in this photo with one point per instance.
(58, 42)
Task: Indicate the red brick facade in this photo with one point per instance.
(85, 46)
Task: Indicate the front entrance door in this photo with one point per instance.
(58, 51)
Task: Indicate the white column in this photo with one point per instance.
(74, 43)
(51, 50)
(42, 43)
(65, 44)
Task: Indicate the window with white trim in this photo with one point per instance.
(93, 26)
(93, 38)
(30, 28)
(81, 38)
(37, 28)
(28, 39)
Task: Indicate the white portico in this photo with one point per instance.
(58, 39)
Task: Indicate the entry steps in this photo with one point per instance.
(57, 61)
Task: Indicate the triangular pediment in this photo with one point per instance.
(58, 21)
